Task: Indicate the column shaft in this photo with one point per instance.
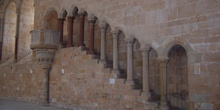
(115, 50)
(91, 36)
(103, 42)
(70, 32)
(61, 21)
(46, 86)
(81, 29)
(130, 60)
(145, 72)
(163, 83)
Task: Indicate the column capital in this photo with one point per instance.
(81, 12)
(115, 33)
(70, 17)
(163, 59)
(60, 18)
(130, 40)
(69, 14)
(92, 19)
(102, 25)
(145, 47)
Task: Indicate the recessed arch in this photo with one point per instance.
(50, 20)
(109, 44)
(8, 3)
(48, 11)
(154, 75)
(177, 78)
(122, 51)
(10, 18)
(137, 61)
(169, 43)
(73, 11)
(62, 13)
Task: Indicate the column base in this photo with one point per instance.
(90, 52)
(46, 104)
(83, 45)
(130, 82)
(117, 71)
(15, 60)
(146, 95)
(60, 46)
(68, 45)
(82, 48)
(164, 106)
(103, 61)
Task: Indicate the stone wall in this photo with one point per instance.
(23, 81)
(193, 24)
(79, 81)
(26, 24)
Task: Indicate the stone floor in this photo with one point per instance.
(18, 105)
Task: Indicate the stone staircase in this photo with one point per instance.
(115, 82)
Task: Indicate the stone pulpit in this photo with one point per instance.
(44, 43)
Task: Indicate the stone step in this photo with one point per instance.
(136, 92)
(120, 81)
(106, 70)
(137, 86)
(118, 75)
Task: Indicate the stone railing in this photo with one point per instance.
(44, 39)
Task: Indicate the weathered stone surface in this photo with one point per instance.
(193, 24)
(198, 97)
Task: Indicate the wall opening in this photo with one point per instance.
(177, 80)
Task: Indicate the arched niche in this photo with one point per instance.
(154, 75)
(122, 52)
(8, 49)
(137, 62)
(109, 45)
(177, 78)
(51, 21)
(26, 24)
(97, 37)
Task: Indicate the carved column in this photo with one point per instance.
(130, 42)
(60, 23)
(17, 36)
(115, 34)
(103, 42)
(145, 51)
(81, 28)
(91, 35)
(163, 82)
(70, 32)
